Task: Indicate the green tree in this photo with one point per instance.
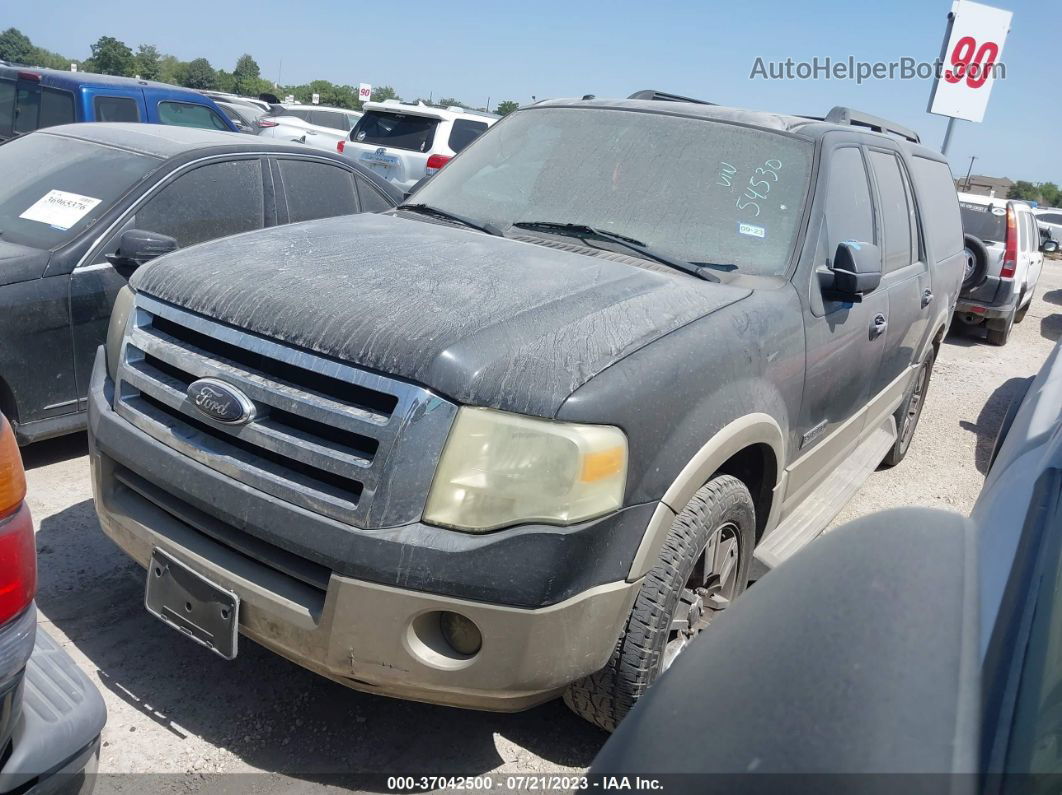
(507, 107)
(1023, 190)
(112, 57)
(380, 93)
(1050, 194)
(225, 81)
(148, 62)
(446, 102)
(246, 75)
(200, 74)
(16, 47)
(172, 70)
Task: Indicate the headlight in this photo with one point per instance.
(123, 304)
(500, 469)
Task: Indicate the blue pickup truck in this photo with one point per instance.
(34, 98)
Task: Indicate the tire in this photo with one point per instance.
(1023, 311)
(910, 411)
(999, 336)
(722, 512)
(976, 263)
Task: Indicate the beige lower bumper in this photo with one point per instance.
(368, 636)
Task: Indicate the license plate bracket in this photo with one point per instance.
(192, 604)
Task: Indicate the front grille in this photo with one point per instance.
(324, 432)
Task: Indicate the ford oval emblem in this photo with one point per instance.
(220, 402)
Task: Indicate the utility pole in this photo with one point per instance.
(969, 171)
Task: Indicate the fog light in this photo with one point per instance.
(460, 633)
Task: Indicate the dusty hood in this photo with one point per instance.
(484, 320)
(21, 263)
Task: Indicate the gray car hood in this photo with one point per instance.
(485, 320)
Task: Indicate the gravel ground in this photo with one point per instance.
(178, 710)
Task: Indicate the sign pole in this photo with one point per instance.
(947, 136)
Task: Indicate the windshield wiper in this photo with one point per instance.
(427, 209)
(583, 230)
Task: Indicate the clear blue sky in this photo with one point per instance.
(501, 50)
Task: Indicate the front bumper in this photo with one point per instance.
(56, 742)
(369, 633)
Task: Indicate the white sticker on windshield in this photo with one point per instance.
(750, 229)
(60, 209)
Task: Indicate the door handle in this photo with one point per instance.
(877, 328)
(927, 298)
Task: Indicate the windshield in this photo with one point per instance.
(54, 187)
(699, 191)
(988, 222)
(400, 130)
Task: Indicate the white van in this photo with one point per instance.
(405, 142)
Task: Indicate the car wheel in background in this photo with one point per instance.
(1023, 310)
(910, 411)
(976, 262)
(703, 566)
(999, 336)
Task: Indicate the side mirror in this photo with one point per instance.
(856, 270)
(137, 246)
(1049, 246)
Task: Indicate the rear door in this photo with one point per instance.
(194, 204)
(906, 278)
(1030, 248)
(395, 145)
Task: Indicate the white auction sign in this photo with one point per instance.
(973, 52)
(364, 92)
(315, 98)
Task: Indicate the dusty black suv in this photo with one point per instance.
(525, 435)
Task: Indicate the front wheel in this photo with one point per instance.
(703, 566)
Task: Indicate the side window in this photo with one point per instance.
(465, 132)
(1048, 218)
(208, 202)
(849, 210)
(895, 212)
(316, 190)
(7, 107)
(372, 201)
(1034, 233)
(940, 205)
(57, 107)
(115, 108)
(188, 114)
(27, 107)
(330, 119)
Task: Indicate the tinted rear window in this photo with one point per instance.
(940, 207)
(330, 119)
(57, 107)
(988, 222)
(76, 171)
(7, 106)
(464, 132)
(116, 109)
(400, 130)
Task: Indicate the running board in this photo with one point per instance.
(816, 512)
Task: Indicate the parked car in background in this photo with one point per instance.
(320, 127)
(32, 99)
(51, 714)
(933, 646)
(423, 435)
(222, 96)
(82, 206)
(404, 142)
(244, 116)
(1050, 219)
(1006, 257)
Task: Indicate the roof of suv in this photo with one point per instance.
(807, 126)
(163, 140)
(420, 109)
(301, 106)
(979, 198)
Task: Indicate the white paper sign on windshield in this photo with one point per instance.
(60, 209)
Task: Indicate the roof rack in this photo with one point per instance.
(849, 116)
(662, 96)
